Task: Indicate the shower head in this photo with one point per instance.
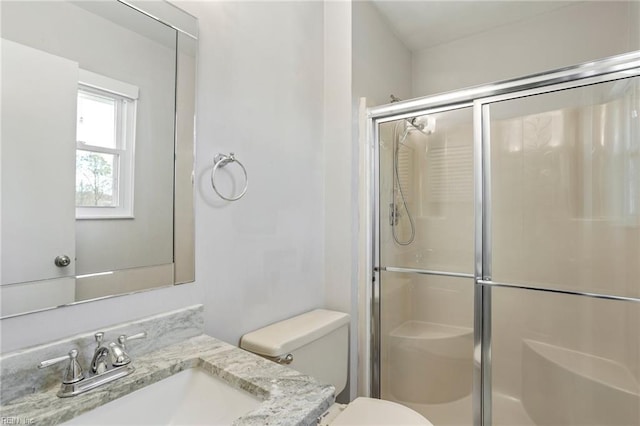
(424, 123)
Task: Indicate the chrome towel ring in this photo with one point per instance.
(221, 160)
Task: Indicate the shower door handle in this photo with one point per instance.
(394, 214)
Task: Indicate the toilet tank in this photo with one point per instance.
(317, 340)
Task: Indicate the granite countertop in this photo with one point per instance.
(289, 397)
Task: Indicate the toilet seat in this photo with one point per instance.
(370, 411)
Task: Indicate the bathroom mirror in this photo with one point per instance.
(98, 106)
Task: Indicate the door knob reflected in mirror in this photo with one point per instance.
(62, 261)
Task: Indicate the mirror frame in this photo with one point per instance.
(186, 27)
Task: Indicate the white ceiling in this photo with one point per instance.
(421, 24)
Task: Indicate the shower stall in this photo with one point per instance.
(506, 250)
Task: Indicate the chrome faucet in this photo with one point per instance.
(100, 356)
(107, 364)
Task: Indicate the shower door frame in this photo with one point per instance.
(480, 98)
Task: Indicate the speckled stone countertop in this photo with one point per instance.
(289, 397)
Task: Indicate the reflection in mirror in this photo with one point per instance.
(97, 142)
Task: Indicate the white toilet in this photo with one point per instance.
(317, 342)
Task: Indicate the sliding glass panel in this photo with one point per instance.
(426, 192)
(565, 176)
(564, 360)
(427, 345)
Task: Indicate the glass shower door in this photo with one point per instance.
(426, 236)
(519, 304)
(565, 199)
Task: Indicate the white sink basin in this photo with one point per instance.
(191, 397)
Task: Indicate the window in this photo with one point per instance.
(105, 133)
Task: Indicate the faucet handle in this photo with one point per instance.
(73, 373)
(99, 336)
(124, 338)
(118, 356)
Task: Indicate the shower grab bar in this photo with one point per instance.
(220, 161)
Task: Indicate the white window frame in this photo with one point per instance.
(126, 96)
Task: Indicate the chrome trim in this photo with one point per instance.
(573, 84)
(425, 272)
(476, 395)
(220, 161)
(478, 176)
(280, 359)
(73, 389)
(588, 69)
(477, 391)
(487, 363)
(433, 110)
(376, 346)
(486, 256)
(485, 143)
(164, 21)
(560, 291)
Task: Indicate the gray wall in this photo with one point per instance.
(567, 36)
(260, 95)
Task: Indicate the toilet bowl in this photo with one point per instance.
(369, 412)
(316, 343)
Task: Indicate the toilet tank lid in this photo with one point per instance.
(288, 335)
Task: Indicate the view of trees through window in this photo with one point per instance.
(94, 179)
(104, 152)
(96, 132)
